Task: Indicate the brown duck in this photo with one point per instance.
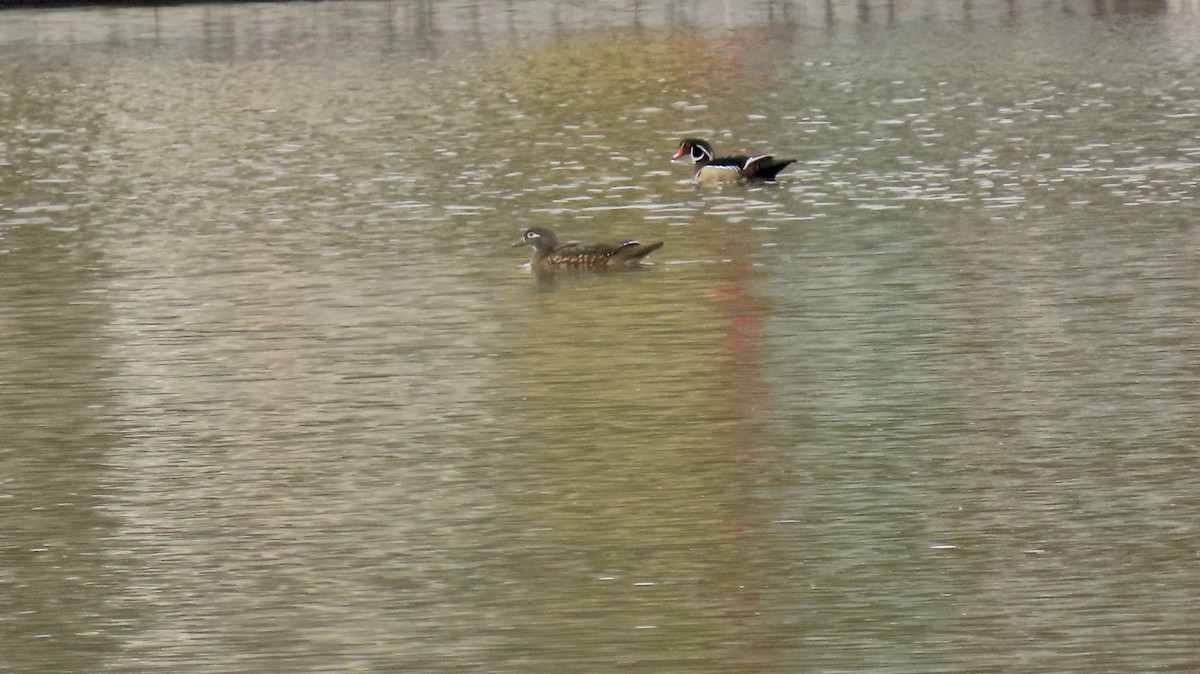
(549, 254)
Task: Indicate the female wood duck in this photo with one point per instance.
(549, 254)
(711, 168)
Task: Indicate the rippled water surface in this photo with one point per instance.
(278, 395)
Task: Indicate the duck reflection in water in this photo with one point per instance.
(550, 256)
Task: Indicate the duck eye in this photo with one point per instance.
(532, 235)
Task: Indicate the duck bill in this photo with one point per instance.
(519, 242)
(678, 154)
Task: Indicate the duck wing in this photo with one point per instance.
(738, 161)
(600, 254)
(764, 167)
(632, 250)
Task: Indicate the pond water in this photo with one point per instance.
(277, 394)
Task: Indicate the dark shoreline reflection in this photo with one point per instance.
(221, 31)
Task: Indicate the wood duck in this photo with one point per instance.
(549, 254)
(711, 168)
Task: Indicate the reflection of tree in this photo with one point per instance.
(57, 583)
(45, 140)
(610, 76)
(53, 401)
(644, 446)
(616, 470)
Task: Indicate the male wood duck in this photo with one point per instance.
(711, 168)
(549, 254)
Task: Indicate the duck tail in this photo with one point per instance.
(640, 251)
(769, 169)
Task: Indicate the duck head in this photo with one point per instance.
(540, 238)
(698, 149)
